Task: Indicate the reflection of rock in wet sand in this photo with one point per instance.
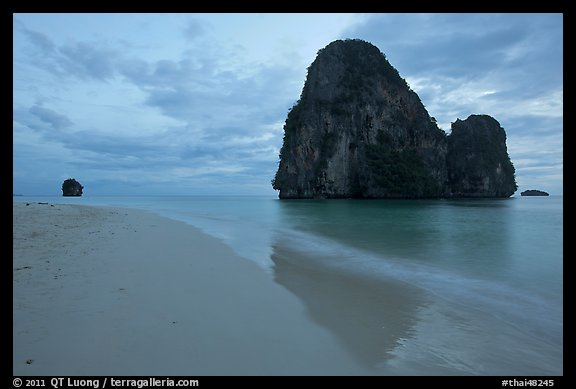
(368, 316)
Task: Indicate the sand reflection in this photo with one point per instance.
(368, 316)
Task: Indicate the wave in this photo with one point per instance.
(525, 310)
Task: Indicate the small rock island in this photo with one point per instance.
(71, 187)
(359, 131)
(534, 192)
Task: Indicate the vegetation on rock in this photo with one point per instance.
(359, 131)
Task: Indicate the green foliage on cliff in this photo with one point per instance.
(364, 60)
(359, 131)
(293, 120)
(476, 153)
(400, 173)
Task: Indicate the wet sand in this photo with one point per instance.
(105, 291)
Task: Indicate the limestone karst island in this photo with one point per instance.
(359, 131)
(71, 187)
(534, 192)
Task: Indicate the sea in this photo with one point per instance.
(430, 287)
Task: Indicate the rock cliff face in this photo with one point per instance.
(478, 162)
(71, 187)
(359, 131)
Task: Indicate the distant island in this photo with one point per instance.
(71, 187)
(534, 192)
(359, 131)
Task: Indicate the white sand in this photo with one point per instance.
(103, 291)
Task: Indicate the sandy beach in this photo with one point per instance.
(105, 291)
(123, 291)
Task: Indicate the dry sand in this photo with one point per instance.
(105, 291)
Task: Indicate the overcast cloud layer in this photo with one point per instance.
(195, 103)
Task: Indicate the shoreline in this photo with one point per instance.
(114, 291)
(247, 299)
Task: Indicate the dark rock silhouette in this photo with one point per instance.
(71, 187)
(534, 192)
(359, 131)
(477, 160)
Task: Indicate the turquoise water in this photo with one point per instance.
(483, 277)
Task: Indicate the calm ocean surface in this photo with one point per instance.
(483, 278)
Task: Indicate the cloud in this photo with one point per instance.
(55, 120)
(220, 104)
(516, 54)
(461, 44)
(447, 98)
(37, 39)
(43, 120)
(194, 29)
(86, 61)
(80, 59)
(197, 110)
(509, 66)
(194, 88)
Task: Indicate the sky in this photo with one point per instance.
(194, 104)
